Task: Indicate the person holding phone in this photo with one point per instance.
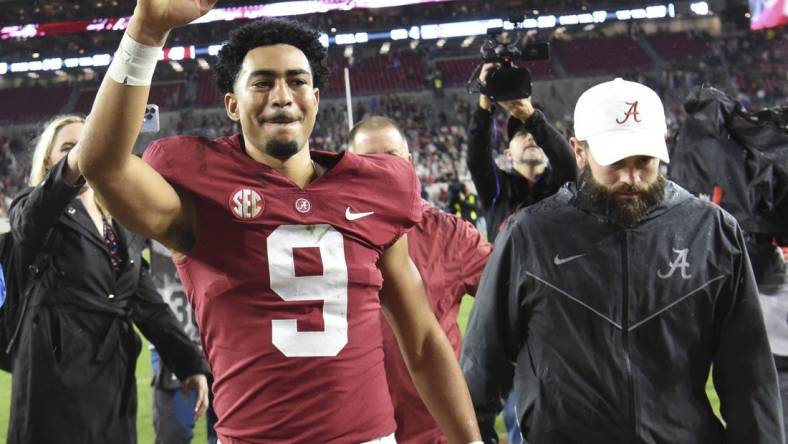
(74, 362)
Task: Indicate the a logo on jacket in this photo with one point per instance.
(631, 112)
(246, 204)
(679, 263)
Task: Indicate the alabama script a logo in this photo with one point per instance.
(631, 112)
(680, 263)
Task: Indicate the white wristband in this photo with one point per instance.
(134, 62)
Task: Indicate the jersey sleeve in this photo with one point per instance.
(398, 193)
(168, 156)
(471, 252)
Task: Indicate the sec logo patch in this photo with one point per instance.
(246, 204)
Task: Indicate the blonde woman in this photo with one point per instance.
(73, 368)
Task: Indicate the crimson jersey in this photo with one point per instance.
(450, 255)
(285, 287)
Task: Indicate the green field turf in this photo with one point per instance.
(145, 422)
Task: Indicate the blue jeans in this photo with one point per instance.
(173, 413)
(511, 421)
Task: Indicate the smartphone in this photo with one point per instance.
(150, 121)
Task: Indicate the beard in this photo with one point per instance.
(532, 157)
(622, 212)
(281, 150)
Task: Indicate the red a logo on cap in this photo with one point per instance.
(632, 111)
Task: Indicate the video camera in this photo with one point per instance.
(507, 81)
(777, 116)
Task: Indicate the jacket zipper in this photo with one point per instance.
(625, 338)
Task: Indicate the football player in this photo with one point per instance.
(450, 255)
(282, 251)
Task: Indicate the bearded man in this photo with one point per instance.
(607, 304)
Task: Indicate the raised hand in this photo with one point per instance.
(519, 108)
(484, 101)
(153, 19)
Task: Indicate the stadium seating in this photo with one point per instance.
(588, 56)
(32, 103)
(677, 47)
(166, 95)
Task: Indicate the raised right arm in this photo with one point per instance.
(480, 161)
(135, 194)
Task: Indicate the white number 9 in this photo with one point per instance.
(331, 288)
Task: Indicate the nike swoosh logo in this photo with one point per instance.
(349, 215)
(558, 261)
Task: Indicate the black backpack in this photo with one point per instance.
(19, 282)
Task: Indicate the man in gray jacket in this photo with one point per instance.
(607, 304)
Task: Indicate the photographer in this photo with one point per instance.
(542, 159)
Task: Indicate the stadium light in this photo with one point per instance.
(568, 20)
(399, 34)
(3, 68)
(660, 11)
(19, 67)
(546, 21)
(213, 50)
(385, 48)
(177, 67)
(623, 14)
(700, 8)
(101, 59)
(344, 39)
(585, 18)
(53, 64)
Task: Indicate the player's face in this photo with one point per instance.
(380, 141)
(65, 140)
(274, 100)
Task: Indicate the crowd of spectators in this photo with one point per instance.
(751, 67)
(14, 165)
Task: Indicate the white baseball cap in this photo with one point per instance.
(619, 119)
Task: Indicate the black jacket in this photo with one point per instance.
(73, 368)
(501, 193)
(608, 334)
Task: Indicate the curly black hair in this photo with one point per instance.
(265, 32)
